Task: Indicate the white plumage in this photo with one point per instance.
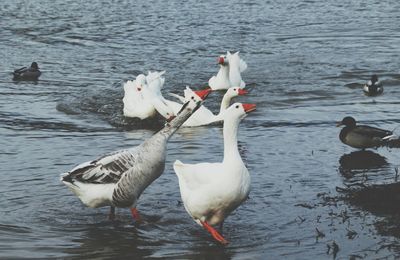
(211, 191)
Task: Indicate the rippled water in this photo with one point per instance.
(306, 63)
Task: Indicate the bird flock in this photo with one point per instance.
(117, 179)
(210, 191)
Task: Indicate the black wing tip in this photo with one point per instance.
(66, 177)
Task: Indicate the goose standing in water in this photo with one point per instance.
(363, 136)
(24, 73)
(118, 179)
(211, 191)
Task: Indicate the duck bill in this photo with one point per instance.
(242, 92)
(339, 124)
(249, 107)
(203, 93)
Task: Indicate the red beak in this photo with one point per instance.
(221, 60)
(242, 92)
(203, 93)
(249, 107)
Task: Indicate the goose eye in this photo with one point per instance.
(192, 97)
(235, 89)
(237, 106)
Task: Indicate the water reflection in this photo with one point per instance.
(360, 160)
(110, 240)
(363, 168)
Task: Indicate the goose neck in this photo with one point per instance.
(171, 127)
(226, 100)
(231, 151)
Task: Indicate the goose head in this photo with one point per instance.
(140, 82)
(235, 91)
(222, 60)
(193, 100)
(196, 95)
(348, 121)
(238, 111)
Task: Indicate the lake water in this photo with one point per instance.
(307, 61)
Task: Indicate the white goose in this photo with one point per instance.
(152, 94)
(211, 191)
(228, 75)
(143, 98)
(118, 179)
(203, 116)
(135, 105)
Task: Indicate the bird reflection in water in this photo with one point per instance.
(358, 162)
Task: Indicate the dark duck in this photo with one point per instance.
(373, 87)
(24, 73)
(362, 136)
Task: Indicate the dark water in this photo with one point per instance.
(307, 61)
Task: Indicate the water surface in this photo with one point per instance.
(306, 63)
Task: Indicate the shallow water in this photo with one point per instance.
(306, 62)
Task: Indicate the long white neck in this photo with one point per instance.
(226, 100)
(231, 151)
(223, 73)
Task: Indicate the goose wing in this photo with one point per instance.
(242, 65)
(106, 169)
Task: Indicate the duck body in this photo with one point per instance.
(362, 136)
(24, 73)
(373, 87)
(211, 191)
(118, 179)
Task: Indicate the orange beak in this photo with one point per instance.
(203, 93)
(242, 92)
(249, 107)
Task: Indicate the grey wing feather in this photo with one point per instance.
(106, 169)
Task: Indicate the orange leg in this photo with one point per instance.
(111, 215)
(214, 233)
(135, 214)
